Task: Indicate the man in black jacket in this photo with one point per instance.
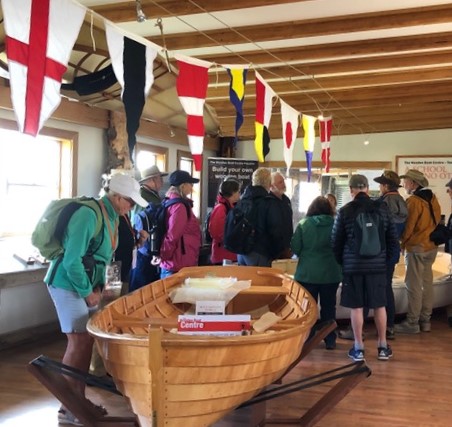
(364, 274)
(277, 192)
(266, 218)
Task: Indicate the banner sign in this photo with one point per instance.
(438, 171)
(218, 168)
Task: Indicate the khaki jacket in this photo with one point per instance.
(419, 224)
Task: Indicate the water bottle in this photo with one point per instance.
(153, 243)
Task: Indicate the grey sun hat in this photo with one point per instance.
(151, 172)
(417, 176)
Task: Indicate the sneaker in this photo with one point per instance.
(407, 328)
(356, 355)
(68, 418)
(425, 326)
(384, 353)
(390, 334)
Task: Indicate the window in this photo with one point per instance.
(148, 155)
(33, 171)
(185, 162)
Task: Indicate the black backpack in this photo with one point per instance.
(154, 222)
(207, 236)
(369, 233)
(239, 228)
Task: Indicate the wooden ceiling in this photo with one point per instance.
(375, 66)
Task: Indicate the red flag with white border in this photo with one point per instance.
(191, 88)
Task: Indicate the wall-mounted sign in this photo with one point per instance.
(438, 171)
(218, 168)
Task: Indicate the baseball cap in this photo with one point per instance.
(179, 177)
(358, 181)
(127, 186)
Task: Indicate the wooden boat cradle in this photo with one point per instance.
(152, 329)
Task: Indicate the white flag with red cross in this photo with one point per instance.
(39, 41)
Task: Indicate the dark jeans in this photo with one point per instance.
(326, 295)
(144, 272)
(254, 259)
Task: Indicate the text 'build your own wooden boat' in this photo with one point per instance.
(177, 380)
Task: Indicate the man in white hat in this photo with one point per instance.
(424, 212)
(151, 183)
(144, 271)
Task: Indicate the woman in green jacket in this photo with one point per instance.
(317, 269)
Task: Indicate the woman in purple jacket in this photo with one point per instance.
(182, 241)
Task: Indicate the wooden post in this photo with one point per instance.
(156, 368)
(118, 148)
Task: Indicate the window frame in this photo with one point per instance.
(67, 186)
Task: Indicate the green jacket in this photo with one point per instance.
(311, 242)
(70, 273)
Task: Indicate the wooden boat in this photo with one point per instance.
(192, 381)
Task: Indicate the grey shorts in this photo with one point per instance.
(71, 308)
(363, 290)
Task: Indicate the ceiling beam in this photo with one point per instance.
(125, 11)
(311, 27)
(340, 82)
(356, 48)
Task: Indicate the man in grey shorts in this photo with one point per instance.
(363, 268)
(75, 294)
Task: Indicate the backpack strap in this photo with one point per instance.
(99, 228)
(430, 208)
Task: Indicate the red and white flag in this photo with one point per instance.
(191, 87)
(325, 125)
(40, 35)
(289, 118)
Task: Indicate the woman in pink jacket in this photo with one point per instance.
(182, 241)
(227, 197)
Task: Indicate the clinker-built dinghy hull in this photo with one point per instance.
(177, 380)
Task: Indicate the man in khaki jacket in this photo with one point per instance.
(420, 251)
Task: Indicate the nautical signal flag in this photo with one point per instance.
(264, 96)
(39, 41)
(289, 118)
(308, 141)
(133, 64)
(191, 88)
(325, 125)
(237, 94)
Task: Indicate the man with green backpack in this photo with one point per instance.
(81, 252)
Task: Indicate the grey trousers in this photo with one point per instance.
(419, 283)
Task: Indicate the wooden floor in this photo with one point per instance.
(413, 389)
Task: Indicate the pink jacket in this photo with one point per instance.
(216, 230)
(182, 241)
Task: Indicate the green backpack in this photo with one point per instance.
(48, 234)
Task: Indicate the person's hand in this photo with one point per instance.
(143, 236)
(93, 298)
